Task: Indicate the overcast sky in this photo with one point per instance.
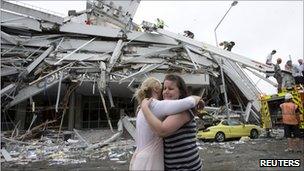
(257, 27)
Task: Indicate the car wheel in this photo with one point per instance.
(220, 137)
(254, 134)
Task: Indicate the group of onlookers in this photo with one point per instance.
(290, 111)
(296, 70)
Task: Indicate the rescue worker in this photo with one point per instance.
(269, 57)
(189, 34)
(227, 45)
(278, 74)
(291, 123)
(160, 23)
(288, 66)
(298, 72)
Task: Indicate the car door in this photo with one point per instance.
(247, 130)
(236, 128)
(226, 128)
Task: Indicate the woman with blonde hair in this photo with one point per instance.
(149, 146)
(178, 131)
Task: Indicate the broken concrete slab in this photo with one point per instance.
(6, 155)
(129, 126)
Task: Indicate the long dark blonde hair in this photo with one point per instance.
(146, 88)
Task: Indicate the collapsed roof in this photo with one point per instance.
(101, 50)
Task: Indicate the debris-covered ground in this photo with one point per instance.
(46, 154)
(50, 153)
(245, 155)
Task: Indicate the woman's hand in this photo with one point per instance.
(200, 105)
(196, 98)
(145, 103)
(199, 108)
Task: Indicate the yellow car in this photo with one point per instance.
(229, 129)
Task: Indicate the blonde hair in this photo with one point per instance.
(146, 88)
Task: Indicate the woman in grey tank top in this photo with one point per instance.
(179, 131)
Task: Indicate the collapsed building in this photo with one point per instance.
(82, 70)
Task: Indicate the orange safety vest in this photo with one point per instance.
(289, 113)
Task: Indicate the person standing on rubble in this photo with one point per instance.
(227, 45)
(269, 57)
(298, 72)
(160, 23)
(288, 66)
(180, 149)
(189, 34)
(291, 123)
(278, 74)
(149, 151)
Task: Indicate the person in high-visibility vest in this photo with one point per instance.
(291, 123)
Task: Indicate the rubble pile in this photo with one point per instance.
(58, 63)
(94, 136)
(55, 151)
(277, 133)
(228, 147)
(87, 54)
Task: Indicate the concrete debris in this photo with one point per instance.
(239, 142)
(34, 130)
(101, 48)
(129, 126)
(228, 152)
(277, 133)
(6, 155)
(111, 139)
(75, 150)
(245, 138)
(80, 137)
(110, 50)
(72, 151)
(227, 146)
(60, 161)
(72, 141)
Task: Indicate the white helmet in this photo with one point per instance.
(288, 96)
